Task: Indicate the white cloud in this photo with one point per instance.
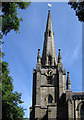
(73, 54)
(76, 52)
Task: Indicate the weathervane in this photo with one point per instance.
(49, 6)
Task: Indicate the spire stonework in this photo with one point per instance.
(49, 53)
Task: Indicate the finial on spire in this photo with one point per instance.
(49, 11)
(38, 57)
(68, 82)
(59, 57)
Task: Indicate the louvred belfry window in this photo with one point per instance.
(49, 79)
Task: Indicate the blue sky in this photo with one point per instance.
(21, 49)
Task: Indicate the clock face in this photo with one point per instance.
(49, 73)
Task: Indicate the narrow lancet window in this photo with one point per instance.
(50, 99)
(49, 60)
(49, 33)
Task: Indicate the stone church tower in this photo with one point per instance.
(52, 96)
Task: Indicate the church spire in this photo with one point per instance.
(49, 53)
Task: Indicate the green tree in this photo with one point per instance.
(11, 101)
(10, 19)
(11, 109)
(79, 9)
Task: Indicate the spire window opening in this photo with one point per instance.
(49, 33)
(49, 60)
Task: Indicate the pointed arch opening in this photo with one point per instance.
(50, 99)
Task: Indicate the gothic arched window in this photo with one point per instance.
(50, 99)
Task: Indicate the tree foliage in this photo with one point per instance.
(10, 20)
(11, 101)
(11, 110)
(79, 9)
